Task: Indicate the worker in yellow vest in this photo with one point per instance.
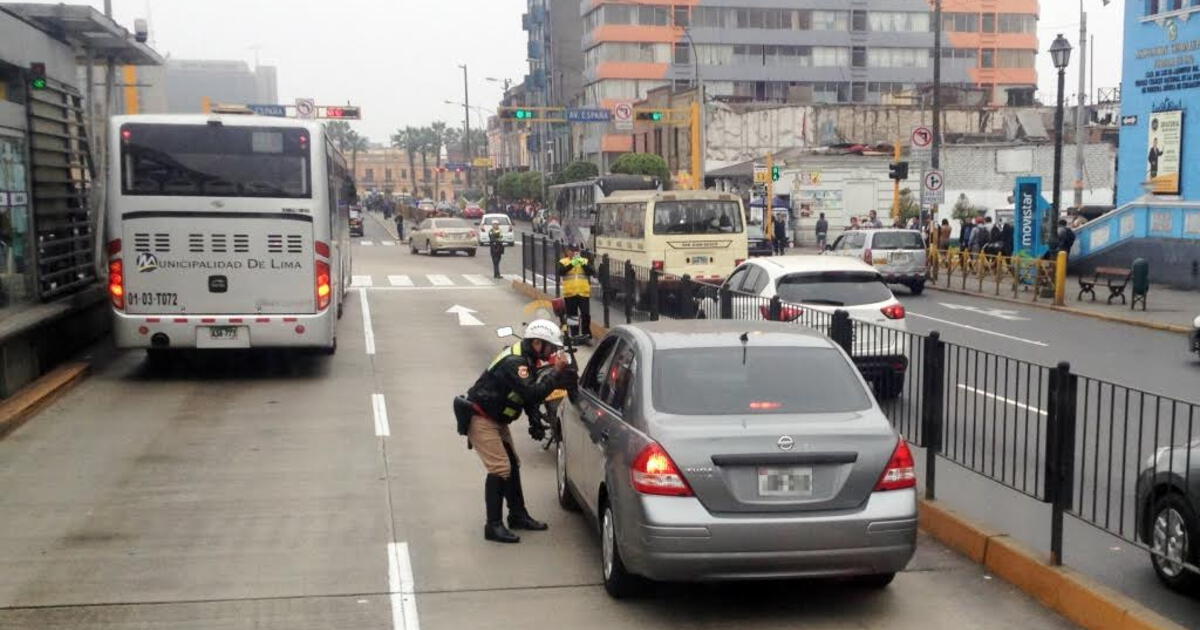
(575, 271)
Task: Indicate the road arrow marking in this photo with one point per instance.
(1004, 314)
(465, 318)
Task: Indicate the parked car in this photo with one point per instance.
(1168, 514)
(541, 220)
(898, 255)
(356, 222)
(443, 235)
(826, 284)
(757, 240)
(472, 211)
(485, 227)
(721, 450)
(1195, 336)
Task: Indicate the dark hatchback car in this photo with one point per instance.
(757, 241)
(356, 222)
(1168, 514)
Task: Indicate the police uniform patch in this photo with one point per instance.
(523, 371)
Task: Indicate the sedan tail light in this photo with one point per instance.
(893, 311)
(900, 472)
(786, 313)
(655, 473)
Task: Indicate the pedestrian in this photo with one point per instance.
(943, 235)
(496, 245)
(822, 232)
(873, 220)
(510, 384)
(1066, 237)
(964, 234)
(1006, 238)
(854, 225)
(576, 273)
(779, 235)
(400, 225)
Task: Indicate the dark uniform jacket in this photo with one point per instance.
(512, 383)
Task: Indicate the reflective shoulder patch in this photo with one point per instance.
(523, 371)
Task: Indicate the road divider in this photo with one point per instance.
(368, 332)
(401, 589)
(379, 411)
(34, 397)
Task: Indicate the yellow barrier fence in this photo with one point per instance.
(1044, 279)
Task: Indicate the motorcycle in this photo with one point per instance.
(545, 414)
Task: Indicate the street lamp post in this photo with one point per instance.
(701, 140)
(1060, 54)
(467, 125)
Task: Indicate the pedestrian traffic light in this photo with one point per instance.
(37, 71)
(774, 173)
(898, 170)
(516, 113)
(653, 116)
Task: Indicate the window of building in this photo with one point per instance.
(898, 58)
(683, 54)
(618, 14)
(370, 175)
(897, 21)
(858, 57)
(858, 20)
(387, 175)
(830, 56)
(714, 54)
(987, 23)
(708, 17)
(652, 16)
(830, 20)
(858, 92)
(803, 20)
(987, 58)
(960, 22)
(681, 15)
(403, 173)
(425, 174)
(1016, 23)
(1013, 58)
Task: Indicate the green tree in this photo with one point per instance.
(577, 171)
(643, 164)
(964, 209)
(355, 143)
(910, 206)
(337, 130)
(409, 139)
(530, 185)
(437, 137)
(508, 186)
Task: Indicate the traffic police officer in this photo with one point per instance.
(511, 383)
(496, 245)
(576, 272)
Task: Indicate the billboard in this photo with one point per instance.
(1031, 215)
(1163, 154)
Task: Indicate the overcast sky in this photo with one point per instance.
(399, 59)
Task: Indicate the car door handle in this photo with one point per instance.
(602, 437)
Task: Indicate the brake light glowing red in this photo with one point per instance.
(114, 247)
(324, 285)
(116, 283)
(893, 311)
(655, 473)
(900, 472)
(322, 248)
(656, 265)
(764, 405)
(786, 313)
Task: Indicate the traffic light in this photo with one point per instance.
(653, 116)
(774, 173)
(516, 113)
(345, 112)
(898, 170)
(37, 80)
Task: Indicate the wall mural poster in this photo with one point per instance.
(1163, 156)
(12, 165)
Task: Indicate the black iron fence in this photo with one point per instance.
(1114, 457)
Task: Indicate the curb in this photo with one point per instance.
(390, 229)
(34, 397)
(1174, 328)
(1077, 597)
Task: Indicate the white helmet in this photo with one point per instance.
(545, 330)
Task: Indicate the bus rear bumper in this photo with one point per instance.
(224, 331)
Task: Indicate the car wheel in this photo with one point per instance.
(412, 246)
(617, 581)
(471, 252)
(566, 500)
(877, 580)
(917, 287)
(1174, 532)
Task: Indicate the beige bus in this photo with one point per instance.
(699, 233)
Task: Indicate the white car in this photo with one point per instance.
(1195, 336)
(825, 284)
(485, 228)
(899, 255)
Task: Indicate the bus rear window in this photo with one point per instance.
(215, 161)
(697, 217)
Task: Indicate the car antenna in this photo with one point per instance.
(745, 339)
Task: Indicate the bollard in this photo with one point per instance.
(933, 380)
(605, 288)
(557, 276)
(630, 291)
(841, 330)
(652, 294)
(725, 297)
(1060, 279)
(775, 310)
(1060, 452)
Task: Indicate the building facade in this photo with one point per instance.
(555, 54)
(389, 171)
(183, 86)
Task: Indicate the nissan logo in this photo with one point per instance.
(785, 443)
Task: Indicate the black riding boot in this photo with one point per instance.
(493, 494)
(518, 516)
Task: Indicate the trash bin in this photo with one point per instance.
(1140, 278)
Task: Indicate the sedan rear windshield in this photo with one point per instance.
(215, 161)
(897, 240)
(450, 223)
(763, 380)
(501, 219)
(833, 288)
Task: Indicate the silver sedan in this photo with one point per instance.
(726, 450)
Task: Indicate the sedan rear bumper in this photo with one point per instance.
(677, 539)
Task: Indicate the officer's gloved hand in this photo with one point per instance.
(568, 378)
(537, 430)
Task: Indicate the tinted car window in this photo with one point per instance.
(833, 288)
(736, 278)
(897, 240)
(593, 374)
(615, 383)
(755, 232)
(754, 278)
(501, 218)
(774, 379)
(855, 241)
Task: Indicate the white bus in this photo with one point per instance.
(575, 203)
(226, 231)
(698, 233)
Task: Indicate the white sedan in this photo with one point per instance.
(485, 227)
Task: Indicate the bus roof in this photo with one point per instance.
(232, 120)
(670, 195)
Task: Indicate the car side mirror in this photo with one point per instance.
(504, 331)
(828, 248)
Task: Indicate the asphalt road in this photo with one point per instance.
(279, 491)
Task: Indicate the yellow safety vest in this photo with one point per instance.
(576, 282)
(514, 402)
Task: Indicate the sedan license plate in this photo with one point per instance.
(701, 260)
(785, 482)
(223, 333)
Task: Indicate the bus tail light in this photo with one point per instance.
(322, 249)
(116, 283)
(114, 247)
(656, 265)
(324, 286)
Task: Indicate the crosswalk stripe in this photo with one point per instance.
(512, 276)
(477, 279)
(439, 280)
(362, 281)
(388, 243)
(400, 281)
(367, 243)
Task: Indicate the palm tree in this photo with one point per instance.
(355, 143)
(409, 139)
(437, 137)
(427, 142)
(337, 130)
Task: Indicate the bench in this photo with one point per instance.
(1115, 278)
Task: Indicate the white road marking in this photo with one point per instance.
(368, 332)
(438, 280)
(477, 279)
(1007, 315)
(981, 330)
(400, 281)
(1002, 399)
(388, 243)
(465, 318)
(449, 288)
(379, 410)
(367, 243)
(400, 584)
(361, 281)
(512, 276)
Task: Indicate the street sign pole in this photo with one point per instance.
(770, 217)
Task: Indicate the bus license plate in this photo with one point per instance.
(701, 260)
(785, 482)
(223, 333)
